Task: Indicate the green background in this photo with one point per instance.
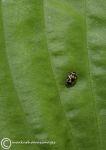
(40, 42)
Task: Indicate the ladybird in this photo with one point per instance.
(71, 79)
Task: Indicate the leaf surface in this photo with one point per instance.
(40, 42)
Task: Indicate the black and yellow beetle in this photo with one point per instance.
(71, 79)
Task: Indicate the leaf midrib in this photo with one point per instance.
(58, 90)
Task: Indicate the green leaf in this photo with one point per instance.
(40, 42)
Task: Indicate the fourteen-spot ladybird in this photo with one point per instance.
(71, 79)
